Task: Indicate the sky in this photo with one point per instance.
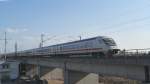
(126, 21)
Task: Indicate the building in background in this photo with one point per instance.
(9, 70)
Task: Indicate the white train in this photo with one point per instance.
(97, 46)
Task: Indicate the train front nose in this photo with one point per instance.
(113, 50)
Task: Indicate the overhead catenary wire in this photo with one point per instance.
(128, 22)
(119, 28)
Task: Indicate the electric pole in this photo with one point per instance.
(16, 48)
(42, 40)
(45, 40)
(38, 59)
(80, 37)
(5, 51)
(5, 45)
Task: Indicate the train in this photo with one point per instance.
(100, 46)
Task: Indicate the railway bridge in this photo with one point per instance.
(75, 69)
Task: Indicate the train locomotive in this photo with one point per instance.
(100, 46)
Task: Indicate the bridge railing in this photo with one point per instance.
(135, 52)
(125, 53)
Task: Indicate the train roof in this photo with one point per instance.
(80, 40)
(70, 42)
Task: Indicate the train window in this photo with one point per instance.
(61, 48)
(88, 44)
(109, 41)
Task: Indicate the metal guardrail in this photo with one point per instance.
(135, 52)
(124, 52)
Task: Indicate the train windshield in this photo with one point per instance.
(109, 41)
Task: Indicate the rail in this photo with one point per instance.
(122, 53)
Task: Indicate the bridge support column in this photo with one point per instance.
(76, 77)
(147, 74)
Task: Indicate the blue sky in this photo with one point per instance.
(127, 21)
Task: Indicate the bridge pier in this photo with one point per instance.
(76, 77)
(147, 74)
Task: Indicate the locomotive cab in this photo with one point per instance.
(111, 46)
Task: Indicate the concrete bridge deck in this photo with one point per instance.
(132, 67)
